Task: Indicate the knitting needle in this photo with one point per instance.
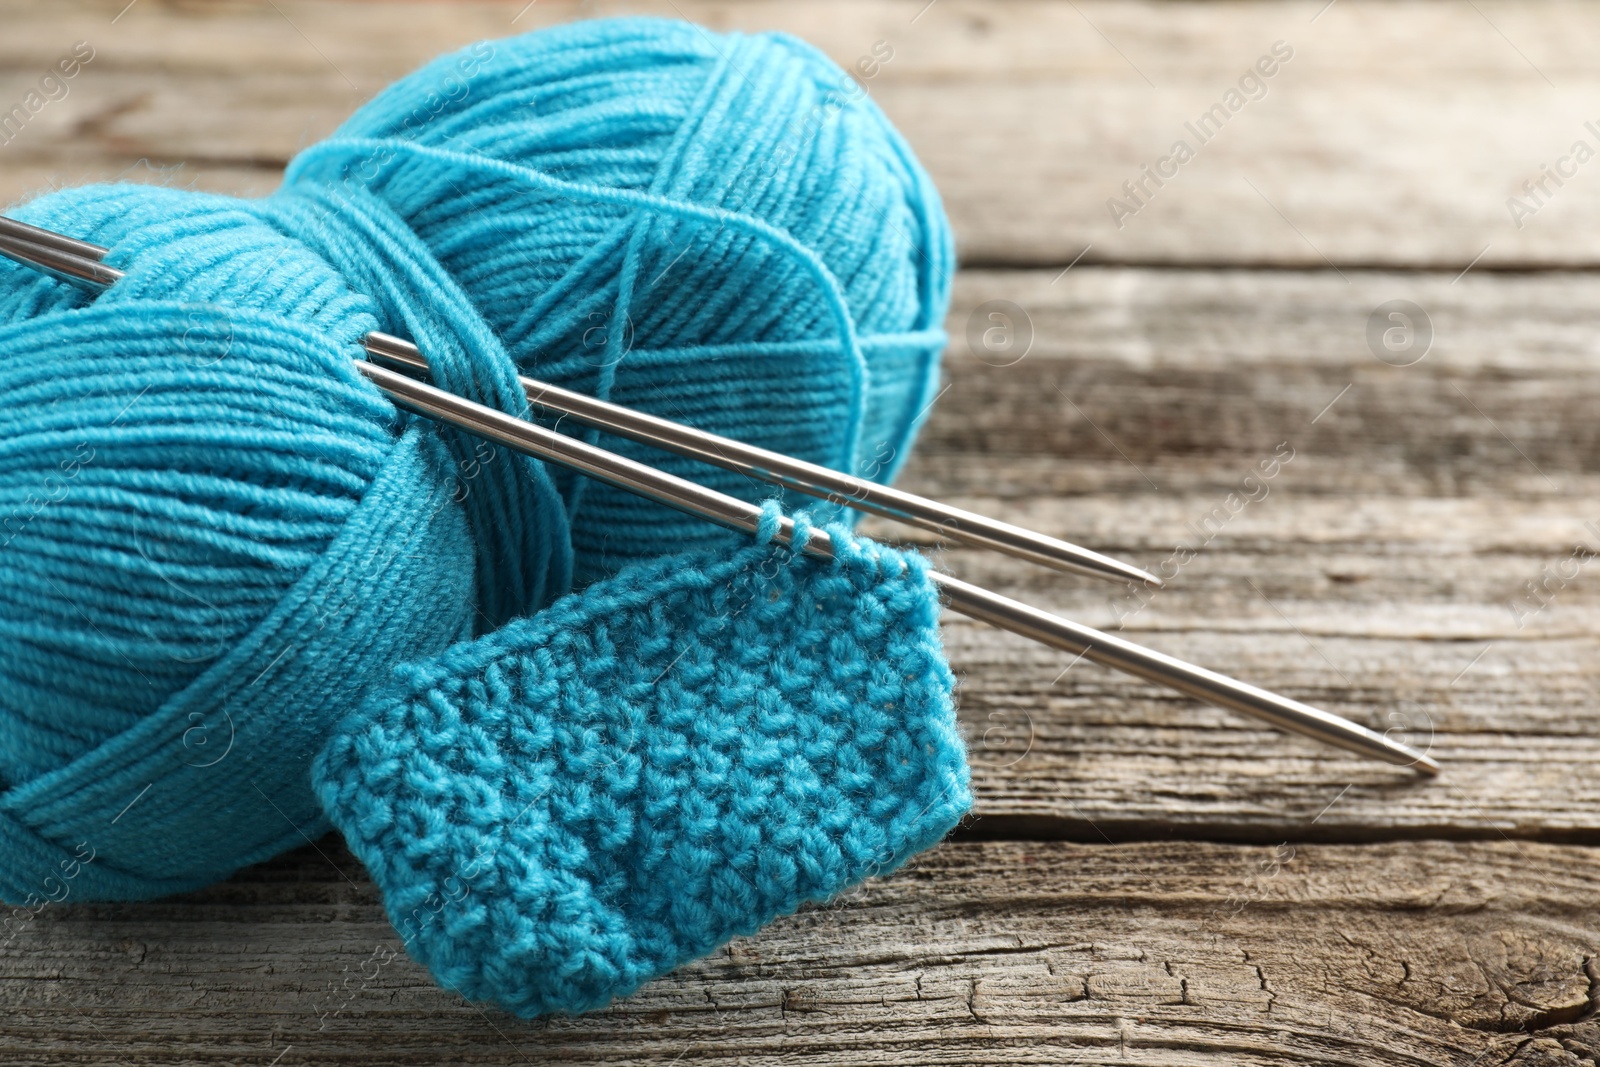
(79, 262)
(692, 498)
(775, 468)
(21, 231)
(977, 603)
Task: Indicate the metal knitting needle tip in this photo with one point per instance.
(787, 472)
(1209, 686)
(970, 600)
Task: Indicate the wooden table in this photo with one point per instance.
(1145, 880)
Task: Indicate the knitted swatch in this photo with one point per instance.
(575, 804)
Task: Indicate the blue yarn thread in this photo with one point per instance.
(586, 798)
(218, 539)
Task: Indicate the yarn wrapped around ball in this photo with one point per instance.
(218, 541)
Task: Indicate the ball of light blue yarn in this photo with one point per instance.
(214, 531)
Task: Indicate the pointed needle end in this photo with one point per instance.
(1095, 565)
(1426, 765)
(1127, 572)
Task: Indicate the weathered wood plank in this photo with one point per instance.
(1389, 557)
(995, 953)
(1385, 558)
(1395, 134)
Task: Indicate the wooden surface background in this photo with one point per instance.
(1145, 881)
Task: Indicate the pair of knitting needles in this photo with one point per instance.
(398, 369)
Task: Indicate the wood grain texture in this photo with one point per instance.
(995, 953)
(1394, 136)
(1144, 880)
(1375, 575)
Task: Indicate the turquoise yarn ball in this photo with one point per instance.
(218, 538)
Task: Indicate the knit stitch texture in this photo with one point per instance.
(579, 802)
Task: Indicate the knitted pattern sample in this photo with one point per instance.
(579, 802)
